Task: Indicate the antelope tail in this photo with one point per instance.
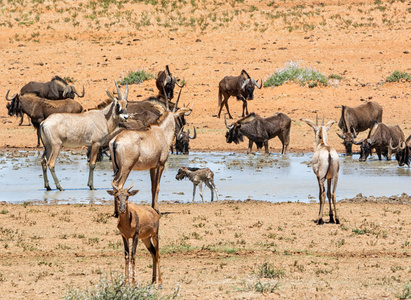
(329, 164)
(114, 158)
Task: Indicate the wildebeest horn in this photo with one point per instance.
(118, 91)
(245, 83)
(391, 147)
(341, 136)
(181, 86)
(195, 133)
(402, 146)
(358, 143)
(75, 91)
(225, 120)
(12, 98)
(256, 83)
(167, 70)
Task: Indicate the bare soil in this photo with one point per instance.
(213, 250)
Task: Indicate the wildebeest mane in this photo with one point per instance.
(58, 78)
(193, 169)
(247, 119)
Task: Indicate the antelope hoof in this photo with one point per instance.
(337, 221)
(60, 188)
(320, 222)
(48, 188)
(332, 219)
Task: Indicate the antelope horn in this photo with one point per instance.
(322, 122)
(131, 186)
(178, 99)
(191, 110)
(180, 132)
(354, 133)
(195, 133)
(12, 98)
(316, 120)
(165, 95)
(358, 143)
(118, 91)
(115, 187)
(126, 93)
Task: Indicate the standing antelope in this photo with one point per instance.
(137, 222)
(325, 164)
(145, 150)
(89, 128)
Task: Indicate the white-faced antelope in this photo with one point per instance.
(197, 176)
(89, 128)
(325, 164)
(145, 150)
(137, 222)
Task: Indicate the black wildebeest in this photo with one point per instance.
(38, 109)
(403, 152)
(56, 89)
(260, 130)
(241, 86)
(183, 141)
(165, 83)
(379, 138)
(354, 120)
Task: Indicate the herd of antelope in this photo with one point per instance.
(139, 136)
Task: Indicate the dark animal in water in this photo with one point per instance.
(354, 120)
(259, 130)
(403, 152)
(183, 141)
(38, 109)
(241, 87)
(379, 138)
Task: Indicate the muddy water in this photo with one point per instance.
(275, 178)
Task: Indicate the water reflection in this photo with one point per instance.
(237, 176)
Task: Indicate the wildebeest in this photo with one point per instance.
(197, 176)
(56, 89)
(379, 138)
(403, 152)
(354, 120)
(144, 150)
(182, 141)
(325, 164)
(241, 86)
(90, 128)
(259, 130)
(38, 109)
(165, 83)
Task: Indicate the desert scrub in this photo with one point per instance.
(267, 270)
(114, 288)
(406, 292)
(136, 77)
(292, 72)
(398, 76)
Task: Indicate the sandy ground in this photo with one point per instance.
(213, 250)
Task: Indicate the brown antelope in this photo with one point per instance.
(197, 176)
(137, 222)
(89, 128)
(325, 164)
(145, 150)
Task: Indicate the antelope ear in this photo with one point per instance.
(133, 192)
(111, 192)
(329, 124)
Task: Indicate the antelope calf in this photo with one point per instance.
(325, 164)
(197, 177)
(137, 222)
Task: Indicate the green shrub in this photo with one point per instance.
(136, 77)
(114, 288)
(292, 72)
(397, 76)
(406, 292)
(267, 270)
